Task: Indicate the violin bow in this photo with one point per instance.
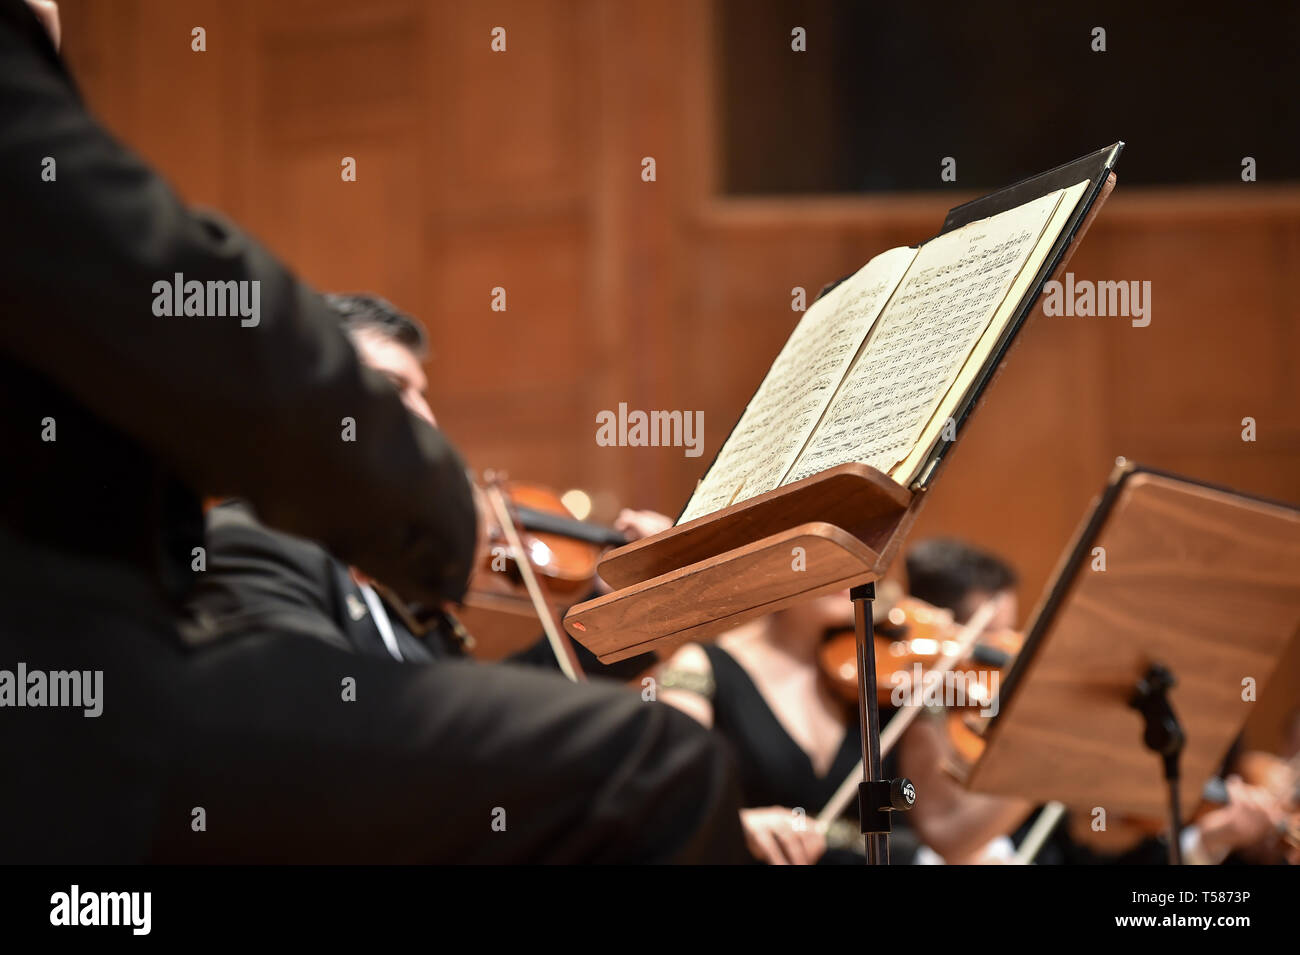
(1043, 827)
(560, 643)
(966, 638)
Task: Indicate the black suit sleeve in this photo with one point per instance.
(540, 654)
(239, 410)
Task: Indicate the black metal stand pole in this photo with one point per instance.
(877, 796)
(1164, 736)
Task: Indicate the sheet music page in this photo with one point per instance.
(798, 387)
(922, 339)
(908, 469)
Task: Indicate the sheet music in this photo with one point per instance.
(920, 343)
(949, 406)
(798, 387)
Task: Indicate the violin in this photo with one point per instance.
(922, 632)
(912, 633)
(915, 637)
(562, 549)
(538, 545)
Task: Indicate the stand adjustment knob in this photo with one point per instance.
(878, 798)
(902, 794)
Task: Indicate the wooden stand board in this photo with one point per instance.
(817, 536)
(1200, 579)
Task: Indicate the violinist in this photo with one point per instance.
(257, 577)
(761, 687)
(1245, 824)
(958, 825)
(961, 825)
(260, 579)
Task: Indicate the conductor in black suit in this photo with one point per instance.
(268, 746)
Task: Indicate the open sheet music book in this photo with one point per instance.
(878, 366)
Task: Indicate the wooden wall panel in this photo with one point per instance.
(514, 123)
(330, 223)
(338, 72)
(512, 381)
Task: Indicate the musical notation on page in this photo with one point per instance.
(776, 423)
(922, 339)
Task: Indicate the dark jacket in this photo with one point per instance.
(258, 580)
(184, 405)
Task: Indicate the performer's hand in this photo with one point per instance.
(1250, 816)
(771, 836)
(639, 524)
(47, 11)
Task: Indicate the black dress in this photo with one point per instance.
(774, 769)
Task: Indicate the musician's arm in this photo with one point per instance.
(685, 682)
(954, 822)
(255, 406)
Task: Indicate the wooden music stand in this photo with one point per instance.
(834, 530)
(1201, 583)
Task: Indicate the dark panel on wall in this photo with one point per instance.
(885, 91)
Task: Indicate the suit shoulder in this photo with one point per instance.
(233, 531)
